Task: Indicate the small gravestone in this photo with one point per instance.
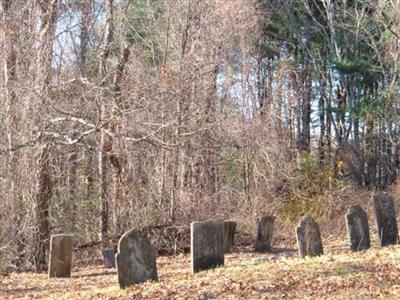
(206, 245)
(357, 228)
(60, 258)
(229, 235)
(385, 219)
(265, 230)
(108, 258)
(308, 237)
(136, 259)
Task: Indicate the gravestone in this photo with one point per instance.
(60, 257)
(265, 229)
(136, 259)
(229, 235)
(108, 256)
(308, 237)
(357, 228)
(206, 245)
(385, 219)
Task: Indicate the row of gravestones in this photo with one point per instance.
(309, 237)
(210, 240)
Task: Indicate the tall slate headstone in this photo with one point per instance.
(308, 237)
(60, 258)
(136, 259)
(357, 228)
(108, 256)
(229, 235)
(265, 230)
(206, 245)
(385, 219)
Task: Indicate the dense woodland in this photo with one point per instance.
(154, 113)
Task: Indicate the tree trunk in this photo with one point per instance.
(72, 184)
(306, 109)
(103, 186)
(72, 162)
(86, 11)
(329, 120)
(43, 194)
(209, 167)
(321, 107)
(104, 147)
(341, 105)
(10, 76)
(89, 173)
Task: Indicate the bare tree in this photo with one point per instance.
(48, 14)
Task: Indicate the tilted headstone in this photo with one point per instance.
(206, 245)
(229, 235)
(60, 258)
(309, 237)
(357, 228)
(108, 256)
(265, 229)
(136, 259)
(385, 219)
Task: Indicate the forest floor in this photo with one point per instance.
(339, 274)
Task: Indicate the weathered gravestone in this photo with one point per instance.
(136, 259)
(108, 258)
(265, 229)
(308, 237)
(229, 235)
(385, 219)
(357, 228)
(60, 258)
(206, 245)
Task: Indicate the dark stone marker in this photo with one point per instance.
(206, 245)
(60, 258)
(385, 219)
(308, 237)
(229, 235)
(265, 230)
(136, 259)
(108, 258)
(357, 228)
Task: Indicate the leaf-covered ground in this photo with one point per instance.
(339, 274)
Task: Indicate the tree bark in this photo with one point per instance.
(86, 11)
(10, 77)
(104, 147)
(72, 183)
(48, 11)
(42, 206)
(306, 108)
(321, 107)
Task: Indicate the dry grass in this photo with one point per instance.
(338, 274)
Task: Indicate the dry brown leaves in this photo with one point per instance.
(337, 275)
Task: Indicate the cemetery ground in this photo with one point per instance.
(338, 274)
